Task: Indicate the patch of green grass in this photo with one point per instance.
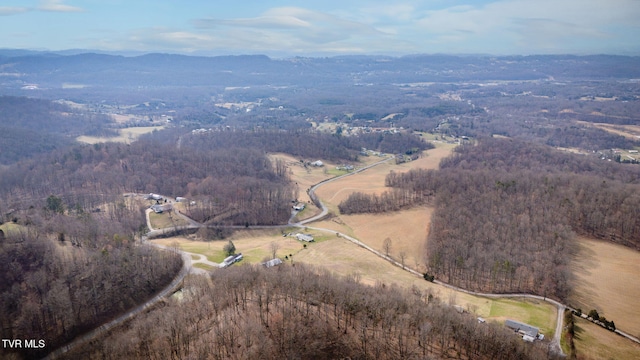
(203, 266)
(254, 256)
(212, 250)
(165, 220)
(336, 172)
(533, 312)
(426, 135)
(12, 228)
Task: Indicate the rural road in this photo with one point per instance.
(555, 344)
(175, 284)
(188, 268)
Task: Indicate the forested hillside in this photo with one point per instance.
(66, 271)
(507, 210)
(294, 312)
(32, 126)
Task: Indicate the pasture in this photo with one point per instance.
(166, 220)
(127, 135)
(606, 279)
(594, 343)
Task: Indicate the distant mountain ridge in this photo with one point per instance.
(53, 69)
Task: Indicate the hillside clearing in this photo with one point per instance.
(127, 135)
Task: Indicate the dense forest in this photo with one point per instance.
(507, 212)
(68, 271)
(295, 312)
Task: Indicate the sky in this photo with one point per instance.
(325, 27)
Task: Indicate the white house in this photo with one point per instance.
(304, 237)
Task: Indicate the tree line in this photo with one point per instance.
(296, 312)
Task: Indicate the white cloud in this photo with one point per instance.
(293, 25)
(546, 25)
(57, 6)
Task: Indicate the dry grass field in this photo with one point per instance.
(372, 180)
(607, 280)
(628, 131)
(596, 343)
(344, 258)
(255, 245)
(127, 135)
(407, 229)
(166, 220)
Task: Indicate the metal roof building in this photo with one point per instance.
(522, 328)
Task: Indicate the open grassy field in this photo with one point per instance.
(166, 220)
(534, 312)
(347, 259)
(10, 227)
(344, 258)
(407, 229)
(255, 245)
(127, 135)
(607, 280)
(628, 131)
(596, 343)
(372, 180)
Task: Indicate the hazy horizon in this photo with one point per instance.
(285, 28)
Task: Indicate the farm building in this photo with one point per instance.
(298, 207)
(317, 163)
(153, 196)
(230, 260)
(181, 199)
(272, 262)
(304, 237)
(522, 328)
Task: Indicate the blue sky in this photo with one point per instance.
(327, 27)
